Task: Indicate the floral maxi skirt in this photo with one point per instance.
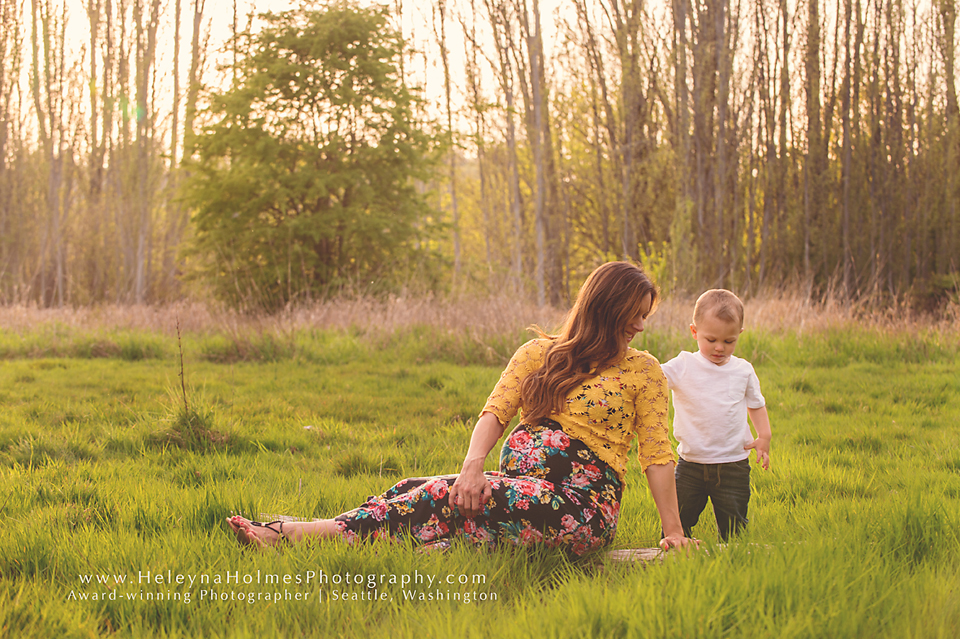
(550, 489)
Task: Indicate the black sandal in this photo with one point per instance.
(269, 526)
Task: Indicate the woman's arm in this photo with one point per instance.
(656, 454)
(471, 490)
(663, 487)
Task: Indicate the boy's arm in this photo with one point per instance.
(671, 371)
(761, 422)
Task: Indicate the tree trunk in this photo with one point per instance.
(452, 175)
(503, 42)
(847, 154)
(720, 171)
(11, 42)
(539, 155)
(625, 32)
(146, 26)
(771, 189)
(948, 47)
(811, 174)
(607, 122)
(784, 151)
(555, 209)
(50, 100)
(684, 262)
(472, 69)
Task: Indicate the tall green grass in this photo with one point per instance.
(853, 533)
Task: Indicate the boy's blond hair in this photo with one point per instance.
(719, 303)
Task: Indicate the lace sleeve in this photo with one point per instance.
(653, 436)
(504, 401)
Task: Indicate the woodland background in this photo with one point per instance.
(752, 144)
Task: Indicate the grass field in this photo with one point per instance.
(108, 476)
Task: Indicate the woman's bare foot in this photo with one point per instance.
(264, 535)
(261, 536)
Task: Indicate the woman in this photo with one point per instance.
(585, 395)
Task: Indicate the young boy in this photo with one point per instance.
(713, 393)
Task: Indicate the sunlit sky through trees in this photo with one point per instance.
(423, 66)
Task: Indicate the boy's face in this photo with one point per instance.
(716, 338)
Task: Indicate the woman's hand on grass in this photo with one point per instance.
(470, 491)
(679, 541)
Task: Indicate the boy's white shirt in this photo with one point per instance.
(710, 407)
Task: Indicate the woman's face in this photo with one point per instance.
(635, 325)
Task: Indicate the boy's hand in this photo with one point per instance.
(761, 422)
(762, 446)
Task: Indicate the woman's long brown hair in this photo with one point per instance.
(592, 337)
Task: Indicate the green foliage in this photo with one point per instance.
(304, 178)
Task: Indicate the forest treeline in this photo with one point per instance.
(748, 144)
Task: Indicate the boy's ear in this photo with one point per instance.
(693, 330)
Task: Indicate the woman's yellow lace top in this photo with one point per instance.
(626, 400)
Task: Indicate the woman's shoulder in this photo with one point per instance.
(537, 344)
(641, 361)
(534, 349)
(633, 355)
